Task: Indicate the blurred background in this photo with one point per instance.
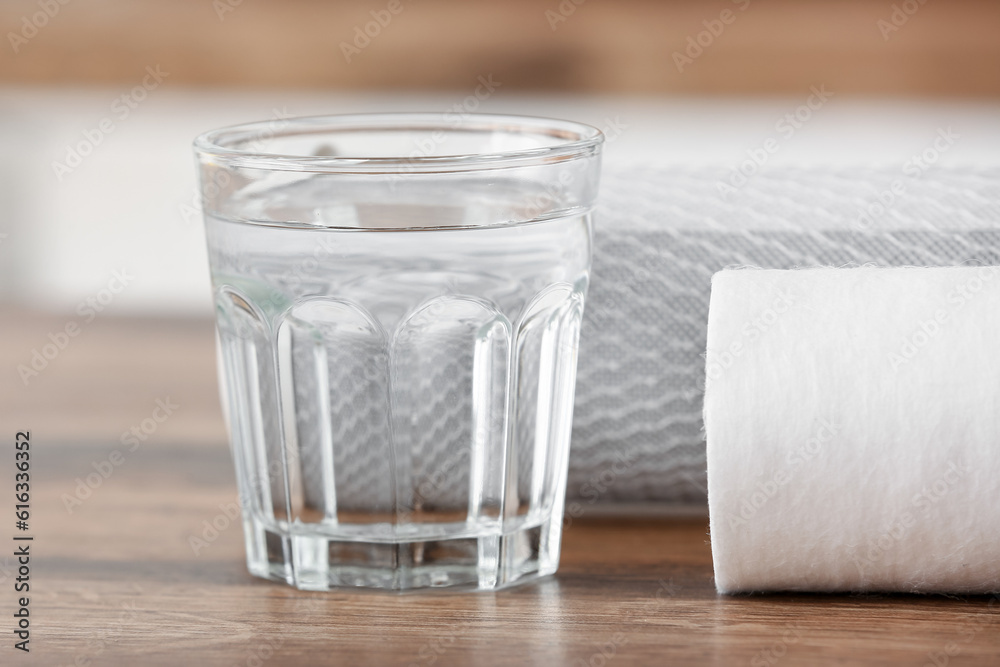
(100, 99)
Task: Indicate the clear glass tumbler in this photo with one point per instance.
(398, 302)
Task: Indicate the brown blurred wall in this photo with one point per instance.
(901, 47)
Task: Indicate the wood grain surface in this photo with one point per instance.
(765, 46)
(116, 581)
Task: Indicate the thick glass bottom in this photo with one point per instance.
(318, 562)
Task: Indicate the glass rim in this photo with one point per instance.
(227, 146)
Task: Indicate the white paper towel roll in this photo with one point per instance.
(852, 419)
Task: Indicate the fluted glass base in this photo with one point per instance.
(479, 557)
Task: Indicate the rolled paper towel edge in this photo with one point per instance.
(725, 581)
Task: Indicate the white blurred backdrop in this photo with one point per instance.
(129, 204)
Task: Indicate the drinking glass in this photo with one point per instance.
(398, 301)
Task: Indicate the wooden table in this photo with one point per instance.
(854, 47)
(116, 580)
